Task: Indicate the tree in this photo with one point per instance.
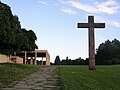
(57, 60)
(29, 41)
(12, 37)
(108, 52)
(7, 32)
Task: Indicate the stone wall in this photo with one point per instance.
(11, 59)
(16, 59)
(4, 58)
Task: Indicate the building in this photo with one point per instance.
(27, 57)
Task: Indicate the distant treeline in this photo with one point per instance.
(78, 61)
(108, 53)
(67, 61)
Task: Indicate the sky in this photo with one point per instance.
(55, 23)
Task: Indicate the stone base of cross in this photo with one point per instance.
(91, 25)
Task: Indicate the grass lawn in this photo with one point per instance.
(11, 73)
(80, 78)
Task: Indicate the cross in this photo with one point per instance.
(91, 25)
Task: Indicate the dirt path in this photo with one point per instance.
(44, 79)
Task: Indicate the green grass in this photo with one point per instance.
(12, 73)
(80, 78)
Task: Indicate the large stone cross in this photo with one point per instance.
(91, 25)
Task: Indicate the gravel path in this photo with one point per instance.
(44, 79)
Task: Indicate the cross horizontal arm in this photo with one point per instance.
(99, 25)
(94, 25)
(83, 25)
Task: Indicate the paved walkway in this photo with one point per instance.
(41, 80)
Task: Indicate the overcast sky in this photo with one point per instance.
(55, 23)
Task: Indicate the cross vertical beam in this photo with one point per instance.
(91, 43)
(91, 25)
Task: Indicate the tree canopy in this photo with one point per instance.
(12, 37)
(108, 52)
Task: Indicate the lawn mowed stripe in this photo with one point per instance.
(80, 78)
